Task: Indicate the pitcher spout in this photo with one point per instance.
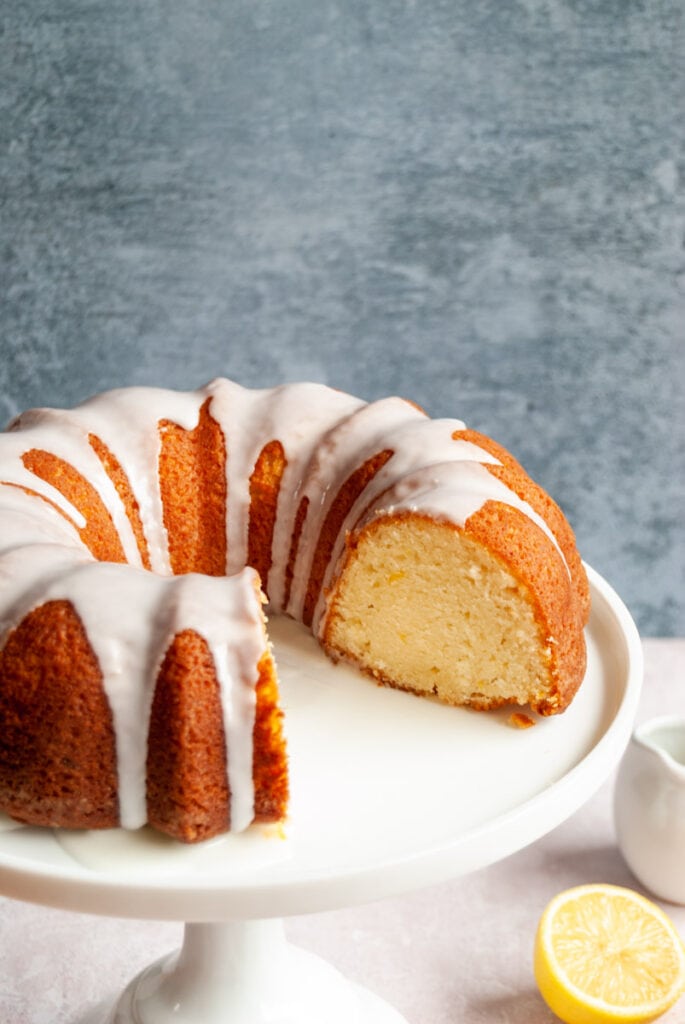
(665, 737)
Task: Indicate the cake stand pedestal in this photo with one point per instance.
(245, 972)
(390, 793)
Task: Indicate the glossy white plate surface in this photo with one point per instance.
(389, 792)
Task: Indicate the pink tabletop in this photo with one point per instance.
(456, 953)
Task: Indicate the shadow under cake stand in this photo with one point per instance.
(390, 793)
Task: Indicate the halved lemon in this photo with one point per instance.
(606, 954)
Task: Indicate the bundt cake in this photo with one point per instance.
(136, 680)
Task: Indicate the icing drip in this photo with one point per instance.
(297, 415)
(347, 445)
(227, 613)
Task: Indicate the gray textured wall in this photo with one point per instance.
(477, 205)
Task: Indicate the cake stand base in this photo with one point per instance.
(244, 972)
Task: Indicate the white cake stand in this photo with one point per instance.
(389, 793)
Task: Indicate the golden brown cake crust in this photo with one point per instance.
(187, 788)
(118, 477)
(511, 473)
(192, 474)
(57, 756)
(530, 556)
(270, 764)
(265, 483)
(99, 533)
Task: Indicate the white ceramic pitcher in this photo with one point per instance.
(649, 806)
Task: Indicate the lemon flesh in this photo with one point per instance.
(606, 954)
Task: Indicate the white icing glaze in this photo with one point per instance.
(126, 421)
(360, 436)
(131, 615)
(297, 415)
